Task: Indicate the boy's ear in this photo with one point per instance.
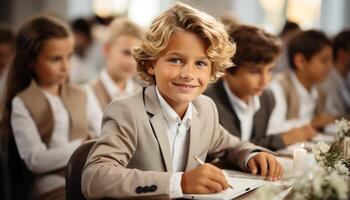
(299, 61)
(150, 68)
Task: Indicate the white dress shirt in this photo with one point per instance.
(178, 135)
(113, 91)
(177, 131)
(39, 158)
(307, 104)
(337, 94)
(245, 112)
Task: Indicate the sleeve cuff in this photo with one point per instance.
(175, 185)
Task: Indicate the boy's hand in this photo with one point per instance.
(267, 164)
(300, 134)
(204, 179)
(322, 120)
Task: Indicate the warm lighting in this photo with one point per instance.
(107, 8)
(304, 12)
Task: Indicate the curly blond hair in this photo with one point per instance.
(183, 17)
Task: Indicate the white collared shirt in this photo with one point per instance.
(245, 112)
(113, 91)
(337, 94)
(37, 157)
(307, 104)
(177, 131)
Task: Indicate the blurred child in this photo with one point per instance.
(7, 38)
(45, 118)
(290, 29)
(300, 105)
(117, 79)
(87, 60)
(149, 139)
(336, 88)
(244, 106)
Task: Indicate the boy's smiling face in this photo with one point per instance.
(182, 71)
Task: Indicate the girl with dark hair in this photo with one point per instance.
(45, 117)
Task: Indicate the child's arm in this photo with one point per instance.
(36, 155)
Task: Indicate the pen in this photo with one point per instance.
(201, 162)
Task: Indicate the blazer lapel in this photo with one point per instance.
(194, 141)
(158, 125)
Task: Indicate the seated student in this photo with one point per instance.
(148, 140)
(244, 105)
(7, 37)
(117, 79)
(46, 118)
(299, 104)
(335, 87)
(87, 60)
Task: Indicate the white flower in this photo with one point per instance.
(317, 184)
(342, 169)
(320, 147)
(342, 126)
(339, 184)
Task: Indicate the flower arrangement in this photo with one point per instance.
(319, 184)
(329, 179)
(331, 158)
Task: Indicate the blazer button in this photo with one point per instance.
(153, 188)
(139, 190)
(145, 189)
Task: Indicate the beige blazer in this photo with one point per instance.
(132, 158)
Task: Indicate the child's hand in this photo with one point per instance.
(267, 164)
(308, 131)
(322, 120)
(204, 179)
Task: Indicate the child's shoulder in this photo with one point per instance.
(133, 101)
(203, 102)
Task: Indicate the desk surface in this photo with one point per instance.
(287, 164)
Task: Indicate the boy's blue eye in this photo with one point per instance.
(201, 64)
(175, 60)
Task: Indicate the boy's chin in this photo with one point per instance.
(258, 93)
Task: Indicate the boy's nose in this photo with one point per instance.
(187, 72)
(65, 65)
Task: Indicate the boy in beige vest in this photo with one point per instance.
(299, 109)
(118, 79)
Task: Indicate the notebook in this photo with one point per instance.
(240, 186)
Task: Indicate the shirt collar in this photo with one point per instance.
(302, 90)
(112, 88)
(238, 104)
(171, 116)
